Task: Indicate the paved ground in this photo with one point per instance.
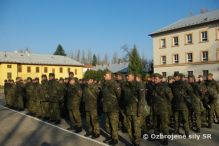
(18, 129)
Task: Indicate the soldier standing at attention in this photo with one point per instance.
(73, 104)
(6, 88)
(183, 95)
(19, 94)
(54, 99)
(211, 101)
(161, 102)
(111, 93)
(135, 102)
(90, 98)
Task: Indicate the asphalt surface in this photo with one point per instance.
(19, 129)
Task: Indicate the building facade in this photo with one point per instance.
(25, 65)
(188, 46)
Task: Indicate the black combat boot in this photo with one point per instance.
(95, 135)
(209, 125)
(113, 142)
(88, 134)
(78, 129)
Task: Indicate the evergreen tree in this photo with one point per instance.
(60, 51)
(135, 65)
(94, 61)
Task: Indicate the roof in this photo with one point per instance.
(121, 67)
(29, 58)
(190, 21)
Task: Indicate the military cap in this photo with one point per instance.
(181, 75)
(29, 78)
(170, 77)
(51, 74)
(147, 76)
(36, 79)
(43, 75)
(200, 76)
(71, 73)
(210, 74)
(176, 74)
(118, 74)
(157, 75)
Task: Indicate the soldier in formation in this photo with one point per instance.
(133, 104)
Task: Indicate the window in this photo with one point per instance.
(37, 69)
(28, 69)
(69, 70)
(163, 60)
(188, 38)
(19, 68)
(9, 75)
(189, 57)
(53, 70)
(204, 36)
(164, 74)
(175, 41)
(60, 70)
(205, 73)
(8, 66)
(162, 43)
(205, 56)
(76, 71)
(176, 72)
(217, 34)
(190, 73)
(45, 69)
(176, 58)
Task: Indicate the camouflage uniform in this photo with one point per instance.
(183, 95)
(53, 92)
(38, 97)
(19, 96)
(111, 93)
(135, 102)
(44, 103)
(31, 101)
(74, 97)
(161, 102)
(213, 84)
(90, 98)
(7, 87)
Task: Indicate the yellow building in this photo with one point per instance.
(189, 46)
(14, 64)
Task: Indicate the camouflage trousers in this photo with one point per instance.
(216, 109)
(44, 109)
(184, 116)
(92, 122)
(111, 124)
(75, 118)
(54, 111)
(134, 128)
(161, 121)
(19, 104)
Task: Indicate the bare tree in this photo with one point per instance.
(115, 58)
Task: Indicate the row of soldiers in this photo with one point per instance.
(129, 103)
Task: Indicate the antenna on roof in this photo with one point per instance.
(5, 54)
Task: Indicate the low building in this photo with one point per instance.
(120, 67)
(13, 64)
(189, 46)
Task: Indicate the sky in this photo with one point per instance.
(103, 26)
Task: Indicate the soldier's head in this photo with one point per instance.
(107, 76)
(51, 76)
(44, 77)
(157, 78)
(71, 74)
(138, 77)
(130, 77)
(29, 80)
(191, 79)
(170, 79)
(72, 81)
(119, 76)
(18, 79)
(36, 80)
(177, 76)
(90, 81)
(147, 77)
(152, 78)
(210, 76)
(61, 80)
(66, 80)
(182, 77)
(200, 78)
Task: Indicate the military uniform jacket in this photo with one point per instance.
(183, 95)
(111, 93)
(74, 96)
(53, 91)
(134, 98)
(162, 98)
(90, 97)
